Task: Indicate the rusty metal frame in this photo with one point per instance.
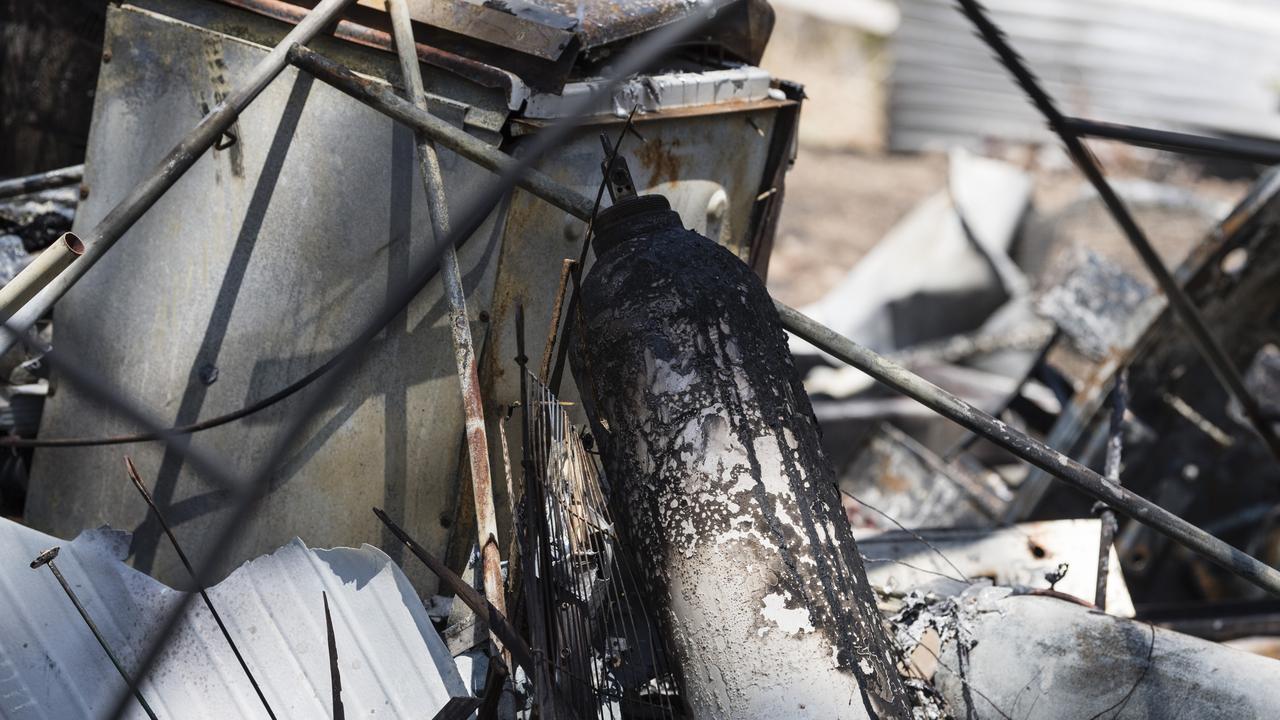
(459, 325)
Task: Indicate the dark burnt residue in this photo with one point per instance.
(675, 299)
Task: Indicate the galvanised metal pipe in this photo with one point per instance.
(180, 159)
(383, 99)
(41, 181)
(47, 266)
(463, 348)
(1256, 151)
(878, 367)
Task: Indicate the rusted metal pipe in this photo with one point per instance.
(47, 266)
(463, 348)
(41, 181)
(883, 370)
(381, 98)
(174, 165)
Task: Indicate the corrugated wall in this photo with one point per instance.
(1203, 65)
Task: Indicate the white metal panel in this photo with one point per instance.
(392, 662)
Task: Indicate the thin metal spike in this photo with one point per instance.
(335, 675)
(164, 524)
(46, 558)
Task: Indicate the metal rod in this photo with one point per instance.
(495, 681)
(41, 181)
(520, 651)
(1031, 450)
(381, 98)
(174, 165)
(460, 325)
(335, 674)
(42, 271)
(889, 373)
(1115, 446)
(182, 556)
(575, 312)
(459, 708)
(1249, 150)
(557, 309)
(46, 558)
(1183, 308)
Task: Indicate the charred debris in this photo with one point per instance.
(475, 294)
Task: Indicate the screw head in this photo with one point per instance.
(45, 557)
(208, 373)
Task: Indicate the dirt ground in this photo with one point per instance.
(839, 204)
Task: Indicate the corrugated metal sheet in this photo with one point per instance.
(393, 663)
(1202, 65)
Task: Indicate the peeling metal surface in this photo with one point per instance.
(393, 663)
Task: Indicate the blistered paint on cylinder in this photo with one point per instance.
(712, 448)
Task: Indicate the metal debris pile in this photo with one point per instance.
(479, 289)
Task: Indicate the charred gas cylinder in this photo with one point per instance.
(712, 449)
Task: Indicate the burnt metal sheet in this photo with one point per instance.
(1015, 556)
(489, 23)
(1195, 453)
(710, 89)
(392, 661)
(897, 476)
(600, 22)
(260, 263)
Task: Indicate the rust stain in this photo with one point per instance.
(660, 158)
(890, 480)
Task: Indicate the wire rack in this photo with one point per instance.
(587, 614)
